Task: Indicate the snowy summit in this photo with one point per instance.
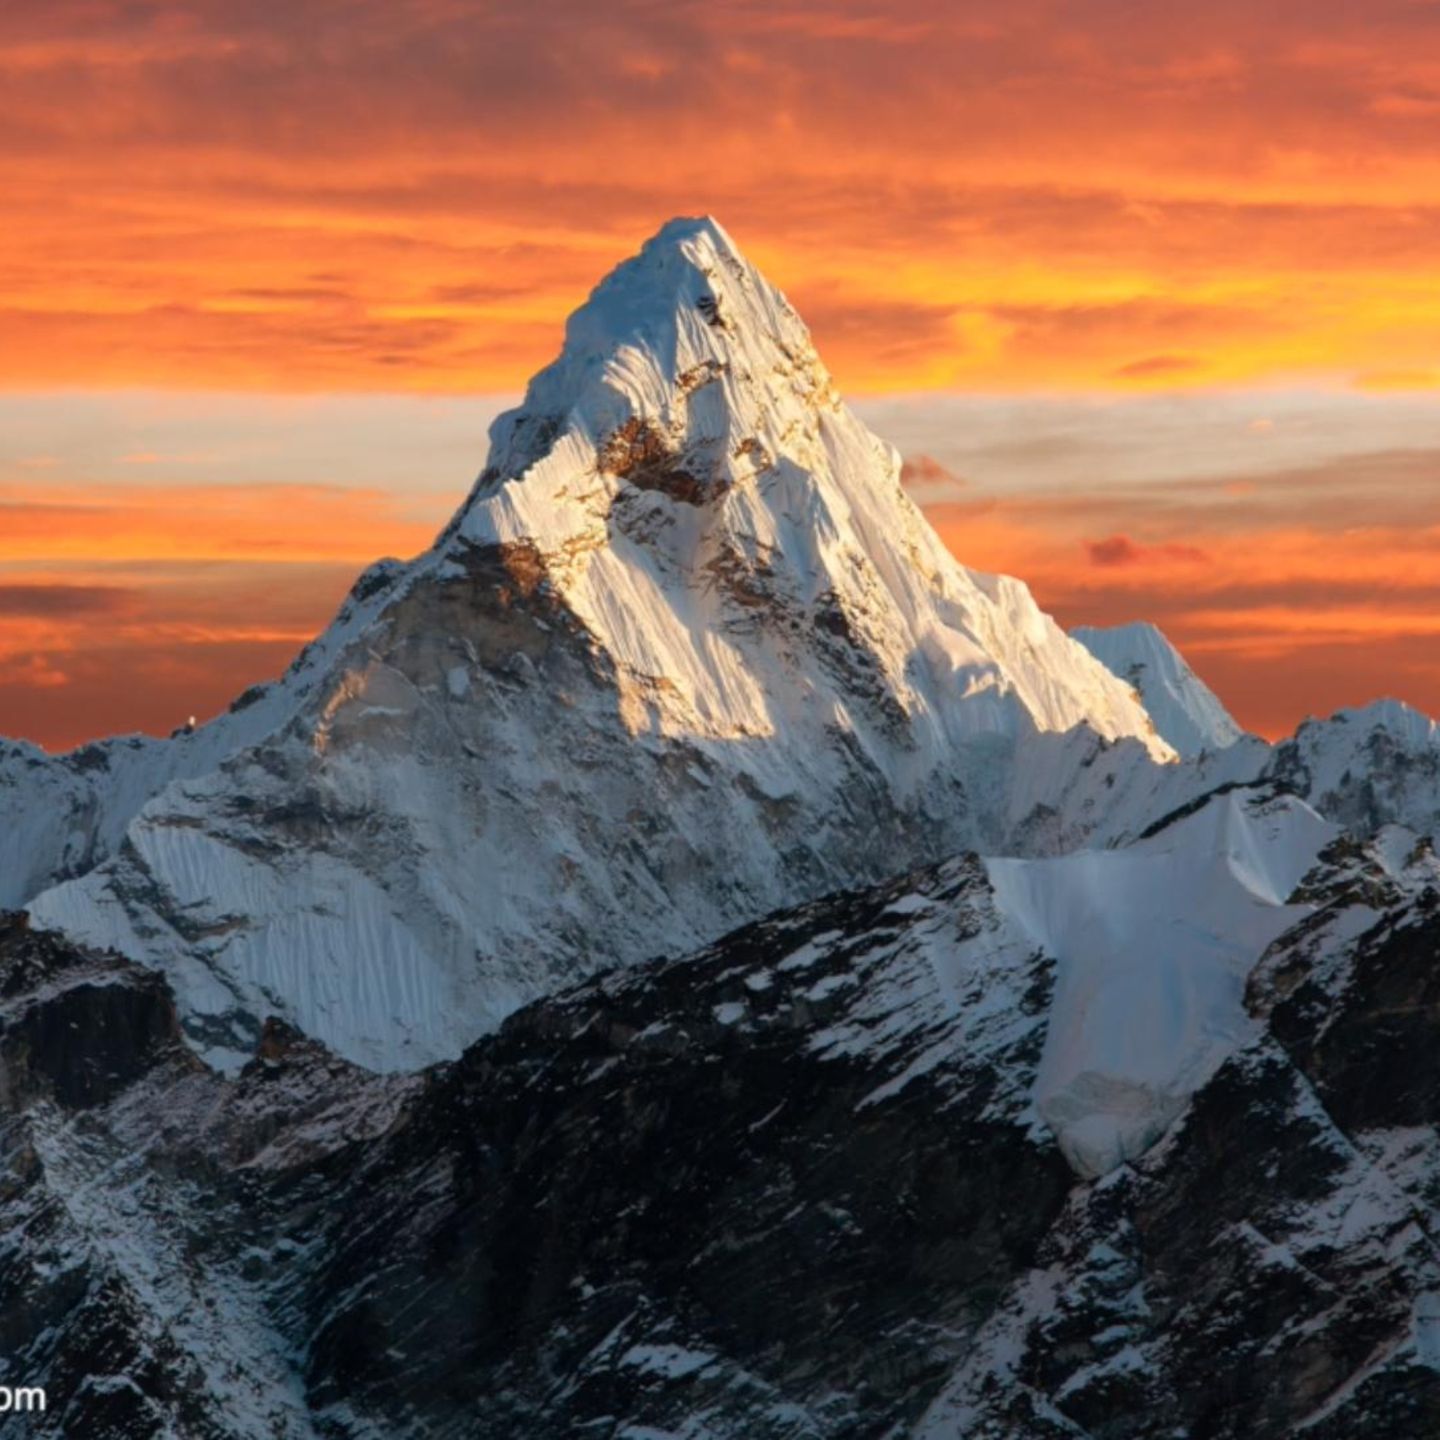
(687, 653)
(1186, 711)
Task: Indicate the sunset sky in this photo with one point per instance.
(1148, 293)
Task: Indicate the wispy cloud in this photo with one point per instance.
(988, 195)
(1318, 533)
(65, 601)
(928, 481)
(1116, 550)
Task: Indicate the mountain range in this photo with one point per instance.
(686, 957)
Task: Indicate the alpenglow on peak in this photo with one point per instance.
(685, 340)
(687, 653)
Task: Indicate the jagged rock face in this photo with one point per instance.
(687, 654)
(1367, 768)
(1269, 1267)
(759, 1192)
(796, 1185)
(138, 1260)
(1263, 1273)
(68, 1033)
(662, 1161)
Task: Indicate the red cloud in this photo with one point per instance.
(925, 474)
(30, 673)
(1154, 367)
(1117, 550)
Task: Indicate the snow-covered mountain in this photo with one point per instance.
(810, 1183)
(1155, 942)
(1186, 711)
(687, 653)
(1122, 1127)
(1363, 768)
(1367, 767)
(62, 815)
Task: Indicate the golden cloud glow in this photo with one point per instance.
(199, 523)
(994, 196)
(1001, 199)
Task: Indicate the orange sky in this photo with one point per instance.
(1092, 204)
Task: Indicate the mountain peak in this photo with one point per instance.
(684, 353)
(696, 240)
(689, 227)
(1185, 710)
(689, 267)
(693, 488)
(687, 652)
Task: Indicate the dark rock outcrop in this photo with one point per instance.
(792, 1186)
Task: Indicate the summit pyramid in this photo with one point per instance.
(686, 653)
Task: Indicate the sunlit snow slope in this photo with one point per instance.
(1155, 942)
(687, 654)
(1186, 711)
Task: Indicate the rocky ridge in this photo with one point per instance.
(796, 1185)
